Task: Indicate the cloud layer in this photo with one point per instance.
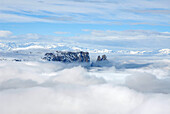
(103, 39)
(91, 11)
(43, 88)
(126, 35)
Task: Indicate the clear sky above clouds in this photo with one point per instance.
(95, 19)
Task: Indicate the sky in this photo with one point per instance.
(78, 19)
(42, 87)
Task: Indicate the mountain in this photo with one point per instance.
(34, 47)
(68, 57)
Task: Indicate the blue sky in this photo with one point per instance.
(73, 28)
(78, 19)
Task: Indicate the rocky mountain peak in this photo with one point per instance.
(104, 57)
(69, 57)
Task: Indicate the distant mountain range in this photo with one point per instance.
(12, 46)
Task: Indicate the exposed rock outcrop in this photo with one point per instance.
(79, 57)
(68, 57)
(101, 62)
(104, 57)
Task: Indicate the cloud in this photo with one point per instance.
(52, 87)
(10, 17)
(91, 11)
(5, 34)
(126, 39)
(147, 82)
(59, 32)
(128, 34)
(32, 36)
(100, 39)
(153, 11)
(77, 75)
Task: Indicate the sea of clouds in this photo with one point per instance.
(57, 88)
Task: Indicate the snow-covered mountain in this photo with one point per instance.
(36, 47)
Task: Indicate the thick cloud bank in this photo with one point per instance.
(55, 88)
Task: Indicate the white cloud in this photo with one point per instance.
(59, 32)
(147, 82)
(5, 17)
(51, 87)
(77, 75)
(103, 39)
(125, 35)
(78, 11)
(5, 34)
(32, 36)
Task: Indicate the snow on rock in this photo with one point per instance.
(68, 57)
(29, 47)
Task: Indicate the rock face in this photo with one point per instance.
(101, 62)
(101, 59)
(68, 57)
(79, 57)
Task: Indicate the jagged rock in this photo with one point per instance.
(99, 58)
(101, 62)
(68, 56)
(18, 60)
(79, 57)
(104, 57)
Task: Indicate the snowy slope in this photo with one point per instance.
(36, 47)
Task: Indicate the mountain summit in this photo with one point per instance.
(68, 57)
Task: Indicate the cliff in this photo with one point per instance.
(68, 57)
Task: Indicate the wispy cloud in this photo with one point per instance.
(60, 32)
(90, 11)
(125, 35)
(5, 34)
(153, 11)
